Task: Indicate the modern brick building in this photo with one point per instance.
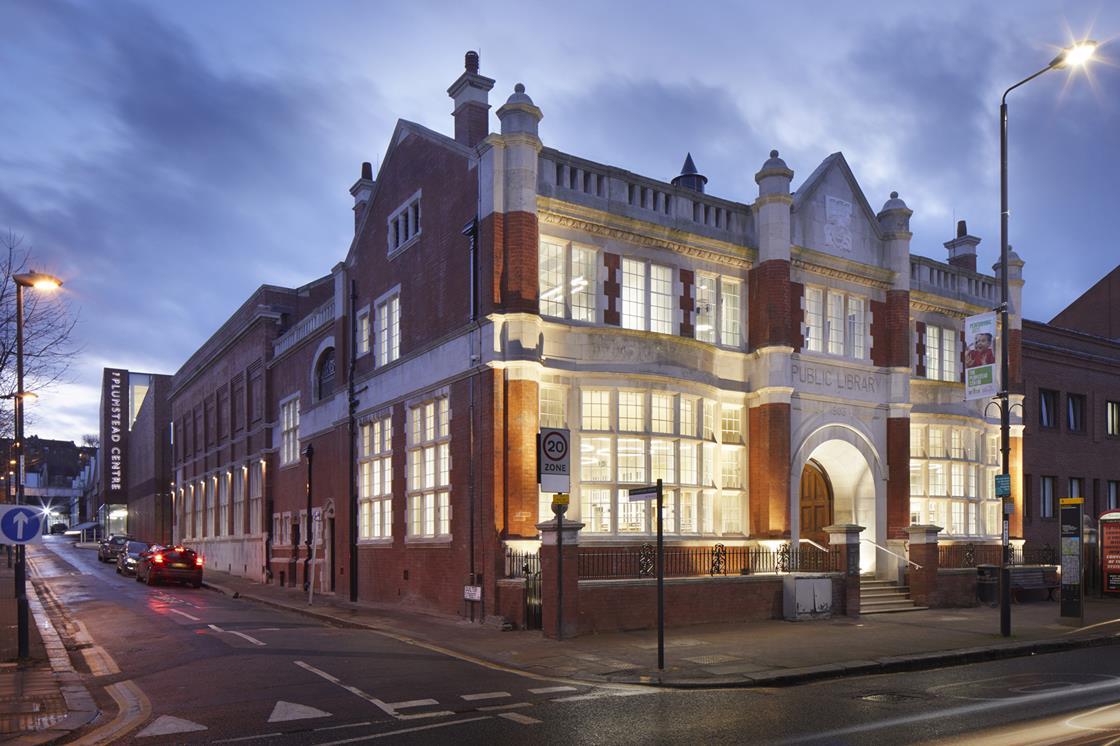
(1072, 446)
(782, 364)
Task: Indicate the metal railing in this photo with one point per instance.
(604, 563)
(971, 555)
(522, 564)
(896, 555)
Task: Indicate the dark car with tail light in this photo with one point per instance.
(129, 557)
(176, 564)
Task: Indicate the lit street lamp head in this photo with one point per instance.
(37, 280)
(1075, 55)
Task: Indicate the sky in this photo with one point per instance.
(166, 159)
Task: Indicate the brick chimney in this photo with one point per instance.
(962, 249)
(472, 108)
(361, 192)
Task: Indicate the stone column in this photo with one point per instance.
(923, 552)
(846, 537)
(551, 583)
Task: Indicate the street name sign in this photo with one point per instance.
(20, 524)
(554, 457)
(643, 493)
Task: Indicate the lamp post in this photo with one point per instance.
(39, 281)
(309, 452)
(1072, 56)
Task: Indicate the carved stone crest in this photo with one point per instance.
(838, 224)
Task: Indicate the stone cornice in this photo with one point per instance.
(932, 303)
(781, 199)
(641, 233)
(808, 260)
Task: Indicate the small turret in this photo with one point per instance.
(689, 177)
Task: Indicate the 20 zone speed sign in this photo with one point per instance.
(554, 459)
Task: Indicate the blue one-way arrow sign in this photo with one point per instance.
(20, 524)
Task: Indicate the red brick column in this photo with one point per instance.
(898, 477)
(522, 411)
(923, 552)
(769, 293)
(768, 473)
(845, 536)
(550, 581)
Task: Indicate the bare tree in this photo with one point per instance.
(91, 440)
(48, 331)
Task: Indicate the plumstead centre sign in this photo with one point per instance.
(114, 431)
(828, 379)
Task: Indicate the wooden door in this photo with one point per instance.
(816, 503)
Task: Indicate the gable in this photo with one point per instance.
(831, 215)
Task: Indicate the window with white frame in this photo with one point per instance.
(553, 403)
(237, 475)
(375, 479)
(836, 323)
(1112, 418)
(567, 280)
(942, 353)
(647, 296)
(365, 330)
(404, 224)
(256, 496)
(211, 507)
(719, 310)
(704, 482)
(389, 329)
(289, 431)
(945, 479)
(429, 469)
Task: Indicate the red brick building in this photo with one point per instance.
(1071, 368)
(782, 365)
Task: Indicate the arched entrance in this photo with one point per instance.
(816, 503)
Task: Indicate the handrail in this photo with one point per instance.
(810, 541)
(893, 554)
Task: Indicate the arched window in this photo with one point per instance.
(324, 374)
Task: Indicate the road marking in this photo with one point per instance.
(316, 671)
(294, 711)
(215, 627)
(407, 730)
(553, 690)
(413, 703)
(517, 717)
(165, 725)
(183, 613)
(485, 695)
(250, 738)
(512, 706)
(100, 662)
(577, 698)
(251, 639)
(352, 689)
(340, 727)
(133, 708)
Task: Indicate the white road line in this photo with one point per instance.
(512, 706)
(183, 613)
(407, 730)
(423, 715)
(340, 727)
(242, 635)
(249, 738)
(352, 689)
(413, 703)
(215, 627)
(553, 690)
(517, 717)
(578, 698)
(485, 695)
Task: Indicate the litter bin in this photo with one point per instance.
(987, 584)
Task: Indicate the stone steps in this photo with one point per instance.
(884, 597)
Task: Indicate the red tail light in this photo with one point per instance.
(198, 560)
(157, 558)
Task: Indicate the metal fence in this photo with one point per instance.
(603, 563)
(971, 555)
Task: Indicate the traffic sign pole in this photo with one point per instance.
(660, 582)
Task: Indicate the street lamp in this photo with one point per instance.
(1072, 56)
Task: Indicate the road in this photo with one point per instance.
(193, 666)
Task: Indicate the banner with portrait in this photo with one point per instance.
(980, 378)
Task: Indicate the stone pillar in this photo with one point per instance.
(923, 552)
(846, 537)
(768, 282)
(551, 582)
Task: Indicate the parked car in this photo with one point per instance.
(157, 564)
(129, 557)
(109, 548)
(58, 528)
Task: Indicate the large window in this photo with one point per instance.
(950, 479)
(289, 431)
(628, 438)
(835, 323)
(647, 296)
(942, 355)
(719, 310)
(1075, 413)
(389, 329)
(429, 469)
(1047, 408)
(325, 375)
(238, 477)
(222, 528)
(567, 278)
(1112, 418)
(256, 496)
(375, 479)
(365, 332)
(1046, 497)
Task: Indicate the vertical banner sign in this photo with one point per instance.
(1071, 557)
(980, 381)
(1110, 552)
(554, 455)
(114, 436)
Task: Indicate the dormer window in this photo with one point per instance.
(404, 224)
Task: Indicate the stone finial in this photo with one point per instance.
(519, 114)
(774, 177)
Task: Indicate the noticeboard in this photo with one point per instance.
(1071, 589)
(1110, 552)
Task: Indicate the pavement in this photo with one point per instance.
(43, 699)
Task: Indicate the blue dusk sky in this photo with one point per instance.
(166, 158)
